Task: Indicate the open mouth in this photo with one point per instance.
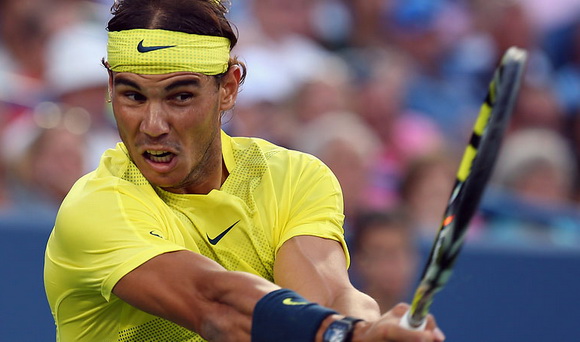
(159, 156)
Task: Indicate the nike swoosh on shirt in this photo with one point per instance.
(144, 49)
(155, 233)
(217, 239)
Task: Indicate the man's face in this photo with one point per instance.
(387, 261)
(170, 125)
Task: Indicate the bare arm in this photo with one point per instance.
(197, 293)
(316, 268)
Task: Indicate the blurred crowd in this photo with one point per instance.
(385, 92)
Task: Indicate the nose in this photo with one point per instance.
(155, 122)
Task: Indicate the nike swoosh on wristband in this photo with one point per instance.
(144, 49)
(290, 301)
(217, 239)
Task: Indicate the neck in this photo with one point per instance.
(225, 172)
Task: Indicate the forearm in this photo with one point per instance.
(196, 293)
(238, 289)
(233, 296)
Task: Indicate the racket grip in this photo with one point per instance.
(405, 322)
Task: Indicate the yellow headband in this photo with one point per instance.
(144, 51)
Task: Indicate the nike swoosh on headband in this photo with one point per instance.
(144, 49)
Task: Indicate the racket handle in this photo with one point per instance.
(405, 322)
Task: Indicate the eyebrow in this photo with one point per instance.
(181, 83)
(124, 81)
(176, 84)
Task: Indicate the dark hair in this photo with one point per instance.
(393, 220)
(203, 17)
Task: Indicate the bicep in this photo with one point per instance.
(316, 268)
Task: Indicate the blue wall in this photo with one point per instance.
(494, 294)
(511, 295)
(24, 312)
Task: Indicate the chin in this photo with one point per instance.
(159, 181)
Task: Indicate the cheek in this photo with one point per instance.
(128, 122)
(120, 117)
(202, 120)
(196, 131)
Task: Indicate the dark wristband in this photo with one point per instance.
(285, 316)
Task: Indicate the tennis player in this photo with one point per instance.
(184, 233)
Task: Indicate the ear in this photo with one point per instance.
(229, 88)
(110, 87)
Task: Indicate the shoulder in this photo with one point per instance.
(112, 191)
(116, 175)
(100, 213)
(295, 168)
(274, 155)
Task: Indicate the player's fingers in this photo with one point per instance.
(400, 310)
(432, 326)
(439, 335)
(396, 333)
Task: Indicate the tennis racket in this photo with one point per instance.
(474, 172)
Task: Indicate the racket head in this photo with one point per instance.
(481, 154)
(474, 172)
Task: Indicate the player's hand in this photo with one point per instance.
(387, 328)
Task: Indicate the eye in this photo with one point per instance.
(182, 97)
(133, 96)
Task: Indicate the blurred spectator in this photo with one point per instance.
(332, 23)
(281, 56)
(348, 146)
(537, 107)
(328, 89)
(573, 135)
(265, 119)
(502, 24)
(44, 154)
(532, 200)
(537, 164)
(567, 78)
(427, 32)
(547, 15)
(367, 19)
(574, 138)
(52, 90)
(77, 80)
(278, 49)
(403, 133)
(405, 77)
(5, 200)
(25, 26)
(385, 257)
(425, 191)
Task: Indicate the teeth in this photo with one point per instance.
(156, 153)
(160, 156)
